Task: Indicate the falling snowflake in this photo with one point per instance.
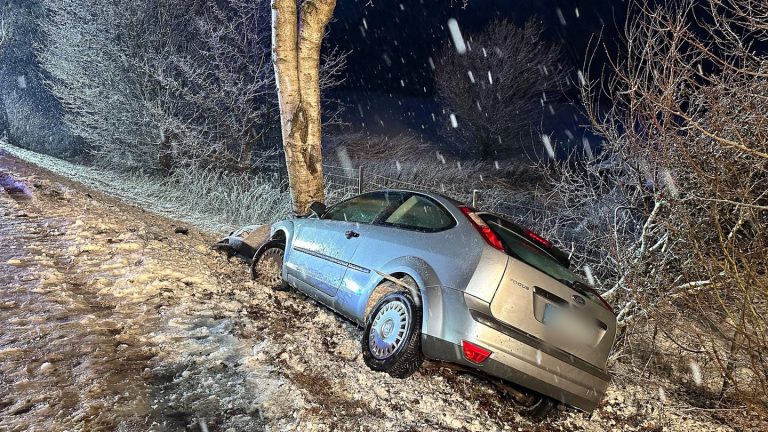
(560, 17)
(695, 372)
(669, 182)
(582, 80)
(454, 122)
(548, 145)
(458, 39)
(471, 77)
(490, 78)
(344, 159)
(588, 274)
(587, 147)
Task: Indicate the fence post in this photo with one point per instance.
(360, 179)
(475, 198)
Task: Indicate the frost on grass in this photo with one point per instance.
(220, 203)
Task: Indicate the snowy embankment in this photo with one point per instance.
(205, 199)
(111, 321)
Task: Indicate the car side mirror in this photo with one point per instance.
(317, 209)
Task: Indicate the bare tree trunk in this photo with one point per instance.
(296, 39)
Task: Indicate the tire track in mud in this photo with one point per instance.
(97, 330)
(67, 358)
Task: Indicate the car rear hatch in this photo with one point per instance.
(547, 303)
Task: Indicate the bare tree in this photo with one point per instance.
(678, 198)
(495, 88)
(220, 87)
(87, 53)
(159, 85)
(297, 34)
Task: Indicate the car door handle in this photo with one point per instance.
(351, 234)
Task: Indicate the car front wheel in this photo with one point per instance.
(392, 338)
(267, 266)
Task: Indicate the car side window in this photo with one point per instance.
(420, 213)
(364, 208)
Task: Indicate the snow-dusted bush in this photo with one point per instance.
(678, 200)
(496, 87)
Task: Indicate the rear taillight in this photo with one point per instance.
(474, 353)
(538, 239)
(490, 237)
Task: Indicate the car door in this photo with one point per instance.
(323, 248)
(416, 230)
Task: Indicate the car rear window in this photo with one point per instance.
(524, 250)
(420, 213)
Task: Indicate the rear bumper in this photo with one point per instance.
(515, 357)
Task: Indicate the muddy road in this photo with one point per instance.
(109, 320)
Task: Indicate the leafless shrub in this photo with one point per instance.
(495, 88)
(678, 199)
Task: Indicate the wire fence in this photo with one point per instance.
(341, 183)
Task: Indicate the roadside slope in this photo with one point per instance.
(155, 330)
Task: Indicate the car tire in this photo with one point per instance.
(267, 266)
(392, 338)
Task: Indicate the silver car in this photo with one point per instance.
(428, 277)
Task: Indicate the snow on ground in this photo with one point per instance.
(111, 321)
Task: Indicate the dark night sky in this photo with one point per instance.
(389, 87)
(392, 40)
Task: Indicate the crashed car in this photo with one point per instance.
(429, 277)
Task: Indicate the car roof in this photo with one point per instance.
(435, 195)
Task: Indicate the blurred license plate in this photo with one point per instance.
(550, 314)
(574, 328)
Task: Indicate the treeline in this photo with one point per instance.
(165, 84)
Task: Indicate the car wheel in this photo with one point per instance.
(267, 266)
(392, 337)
